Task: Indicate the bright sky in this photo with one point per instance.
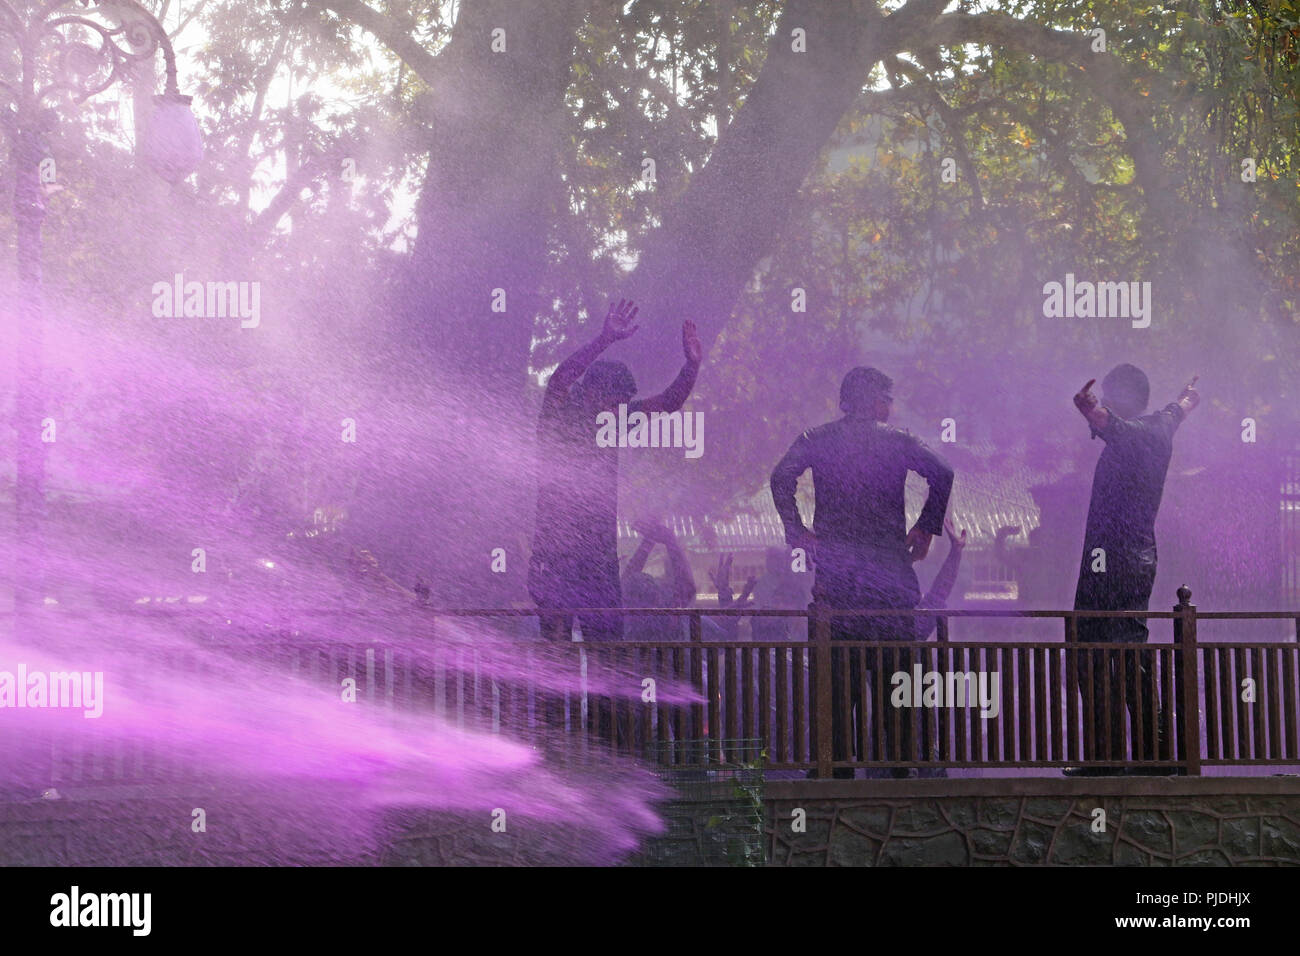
(270, 174)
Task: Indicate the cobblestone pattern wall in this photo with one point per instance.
(1027, 830)
(1182, 830)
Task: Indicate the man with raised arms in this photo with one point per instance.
(574, 561)
(1118, 569)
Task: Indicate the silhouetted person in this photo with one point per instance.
(862, 552)
(1118, 569)
(936, 599)
(780, 588)
(574, 561)
(676, 589)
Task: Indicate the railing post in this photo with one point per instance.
(437, 677)
(1187, 677)
(823, 703)
(1074, 694)
(934, 747)
(697, 681)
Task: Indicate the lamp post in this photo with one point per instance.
(68, 51)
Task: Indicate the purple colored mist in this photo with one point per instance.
(197, 676)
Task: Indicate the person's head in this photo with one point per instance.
(1125, 390)
(867, 392)
(606, 385)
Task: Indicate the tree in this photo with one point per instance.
(796, 144)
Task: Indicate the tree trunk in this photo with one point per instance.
(491, 185)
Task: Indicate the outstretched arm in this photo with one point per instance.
(636, 563)
(679, 567)
(675, 395)
(1172, 415)
(618, 325)
(1097, 414)
(937, 597)
(1110, 427)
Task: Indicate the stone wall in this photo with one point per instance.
(1036, 822)
(957, 822)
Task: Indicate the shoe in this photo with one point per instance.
(1093, 771)
(900, 773)
(1155, 771)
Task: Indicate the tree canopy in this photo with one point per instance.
(917, 169)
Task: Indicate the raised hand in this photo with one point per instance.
(619, 319)
(721, 577)
(1085, 401)
(1190, 398)
(958, 540)
(691, 343)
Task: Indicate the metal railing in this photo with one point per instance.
(826, 704)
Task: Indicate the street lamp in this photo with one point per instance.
(73, 50)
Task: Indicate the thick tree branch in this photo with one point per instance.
(1124, 88)
(730, 213)
(255, 113)
(952, 127)
(387, 31)
(290, 193)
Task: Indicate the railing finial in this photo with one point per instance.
(1184, 596)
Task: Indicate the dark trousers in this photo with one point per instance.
(848, 697)
(565, 582)
(595, 627)
(1108, 685)
(609, 719)
(866, 589)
